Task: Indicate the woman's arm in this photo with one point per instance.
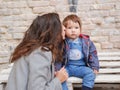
(40, 74)
(18, 76)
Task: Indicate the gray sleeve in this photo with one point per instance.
(40, 75)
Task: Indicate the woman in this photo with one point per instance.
(34, 57)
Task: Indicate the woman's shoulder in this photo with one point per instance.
(39, 53)
(42, 52)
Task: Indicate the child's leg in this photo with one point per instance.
(88, 78)
(87, 75)
(64, 86)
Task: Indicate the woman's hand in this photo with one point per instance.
(62, 75)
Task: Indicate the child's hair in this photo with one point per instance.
(73, 18)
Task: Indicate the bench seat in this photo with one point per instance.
(109, 72)
(112, 78)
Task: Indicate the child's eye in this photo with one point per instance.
(69, 27)
(76, 27)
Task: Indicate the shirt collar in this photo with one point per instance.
(77, 40)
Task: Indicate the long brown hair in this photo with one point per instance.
(44, 32)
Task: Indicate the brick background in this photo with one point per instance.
(100, 20)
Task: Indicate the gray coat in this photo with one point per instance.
(33, 72)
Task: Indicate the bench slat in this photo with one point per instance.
(112, 78)
(109, 70)
(3, 78)
(110, 58)
(108, 53)
(110, 64)
(99, 79)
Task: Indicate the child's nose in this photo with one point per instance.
(73, 30)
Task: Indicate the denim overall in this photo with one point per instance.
(76, 65)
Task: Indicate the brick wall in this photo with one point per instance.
(100, 19)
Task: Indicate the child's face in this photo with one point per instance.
(72, 30)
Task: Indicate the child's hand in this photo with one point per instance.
(95, 71)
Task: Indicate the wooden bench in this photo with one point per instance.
(109, 70)
(4, 77)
